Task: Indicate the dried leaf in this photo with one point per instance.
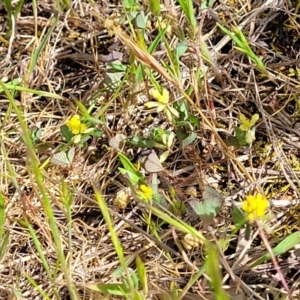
(152, 163)
(63, 159)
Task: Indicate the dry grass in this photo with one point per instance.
(73, 64)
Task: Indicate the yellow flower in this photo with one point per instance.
(162, 103)
(246, 123)
(75, 125)
(145, 192)
(162, 98)
(255, 206)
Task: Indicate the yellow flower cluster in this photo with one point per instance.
(255, 206)
(75, 125)
(145, 192)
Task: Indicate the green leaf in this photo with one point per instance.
(238, 216)
(113, 75)
(139, 73)
(194, 120)
(205, 210)
(178, 208)
(210, 206)
(17, 293)
(93, 120)
(12, 83)
(241, 136)
(181, 48)
(142, 275)
(35, 134)
(207, 4)
(140, 141)
(155, 7)
(188, 9)
(184, 113)
(134, 175)
(129, 3)
(233, 141)
(288, 243)
(82, 109)
(118, 67)
(158, 198)
(141, 20)
(189, 139)
(97, 132)
(66, 133)
(118, 289)
(134, 178)
(134, 278)
(181, 134)
(132, 15)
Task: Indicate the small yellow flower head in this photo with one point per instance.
(75, 125)
(162, 98)
(145, 192)
(255, 206)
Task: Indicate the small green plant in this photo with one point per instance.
(245, 133)
(247, 127)
(238, 37)
(78, 130)
(120, 289)
(130, 170)
(158, 138)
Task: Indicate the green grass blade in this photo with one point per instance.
(114, 237)
(38, 247)
(188, 9)
(2, 215)
(38, 288)
(34, 168)
(288, 243)
(28, 90)
(3, 244)
(180, 225)
(37, 52)
(8, 7)
(214, 272)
